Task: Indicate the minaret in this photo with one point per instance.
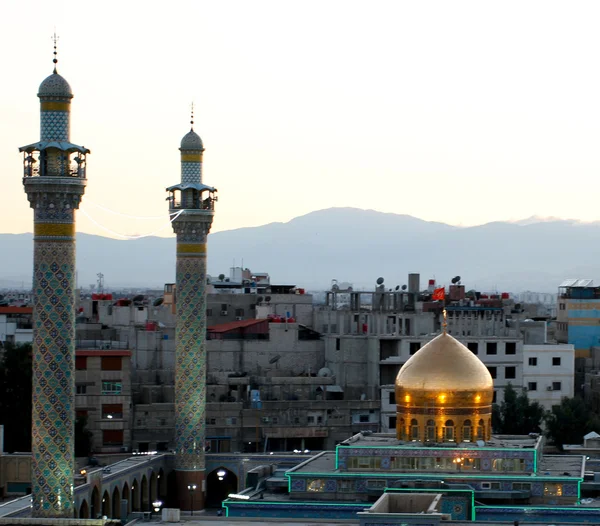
(54, 181)
(195, 201)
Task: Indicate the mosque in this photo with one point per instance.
(442, 464)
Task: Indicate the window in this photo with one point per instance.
(310, 419)
(430, 431)
(392, 422)
(231, 421)
(345, 486)
(239, 312)
(414, 429)
(510, 373)
(449, 431)
(492, 371)
(510, 348)
(491, 348)
(473, 347)
(81, 413)
(532, 386)
(556, 386)
(112, 411)
(209, 312)
(111, 363)
(556, 361)
(275, 419)
(494, 397)
(552, 490)
(523, 486)
(81, 388)
(111, 387)
(112, 437)
(81, 363)
(480, 431)
(533, 362)
(337, 344)
(561, 306)
(414, 347)
(363, 418)
(467, 431)
(392, 398)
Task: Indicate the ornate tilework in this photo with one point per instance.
(190, 363)
(54, 126)
(191, 173)
(53, 373)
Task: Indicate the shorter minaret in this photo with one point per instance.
(195, 202)
(54, 180)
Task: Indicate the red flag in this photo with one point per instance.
(439, 294)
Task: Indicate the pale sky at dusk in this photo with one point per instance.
(461, 112)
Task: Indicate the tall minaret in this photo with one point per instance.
(54, 181)
(195, 201)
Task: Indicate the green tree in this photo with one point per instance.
(83, 437)
(517, 415)
(568, 422)
(15, 396)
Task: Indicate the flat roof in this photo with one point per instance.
(16, 310)
(390, 440)
(562, 465)
(234, 325)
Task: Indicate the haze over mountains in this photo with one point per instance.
(347, 244)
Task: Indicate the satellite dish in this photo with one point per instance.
(379, 281)
(139, 297)
(275, 358)
(404, 287)
(397, 287)
(324, 372)
(259, 299)
(267, 299)
(158, 301)
(335, 288)
(455, 280)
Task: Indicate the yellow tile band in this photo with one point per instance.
(54, 229)
(55, 106)
(191, 157)
(191, 248)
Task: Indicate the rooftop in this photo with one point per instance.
(235, 325)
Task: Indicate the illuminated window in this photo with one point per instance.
(430, 431)
(553, 490)
(467, 431)
(402, 429)
(449, 431)
(316, 485)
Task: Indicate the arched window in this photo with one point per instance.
(430, 431)
(467, 433)
(489, 427)
(480, 433)
(414, 429)
(449, 431)
(402, 428)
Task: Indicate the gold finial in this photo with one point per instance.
(55, 60)
(445, 322)
(192, 117)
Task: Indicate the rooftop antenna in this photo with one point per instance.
(55, 60)
(100, 282)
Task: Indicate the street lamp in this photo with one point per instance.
(191, 489)
(156, 505)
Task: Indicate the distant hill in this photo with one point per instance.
(347, 244)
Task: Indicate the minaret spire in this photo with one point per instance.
(55, 60)
(192, 118)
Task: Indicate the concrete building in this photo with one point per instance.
(16, 325)
(103, 397)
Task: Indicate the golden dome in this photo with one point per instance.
(444, 364)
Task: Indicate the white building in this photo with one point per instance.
(549, 372)
(15, 325)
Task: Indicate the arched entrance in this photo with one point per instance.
(135, 496)
(84, 510)
(153, 492)
(144, 494)
(126, 496)
(95, 504)
(160, 483)
(219, 484)
(116, 504)
(106, 510)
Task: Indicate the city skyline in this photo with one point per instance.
(299, 105)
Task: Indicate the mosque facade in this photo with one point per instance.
(54, 179)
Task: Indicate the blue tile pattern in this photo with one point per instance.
(54, 125)
(191, 172)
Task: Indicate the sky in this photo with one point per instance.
(464, 112)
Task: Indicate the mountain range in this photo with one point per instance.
(347, 244)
